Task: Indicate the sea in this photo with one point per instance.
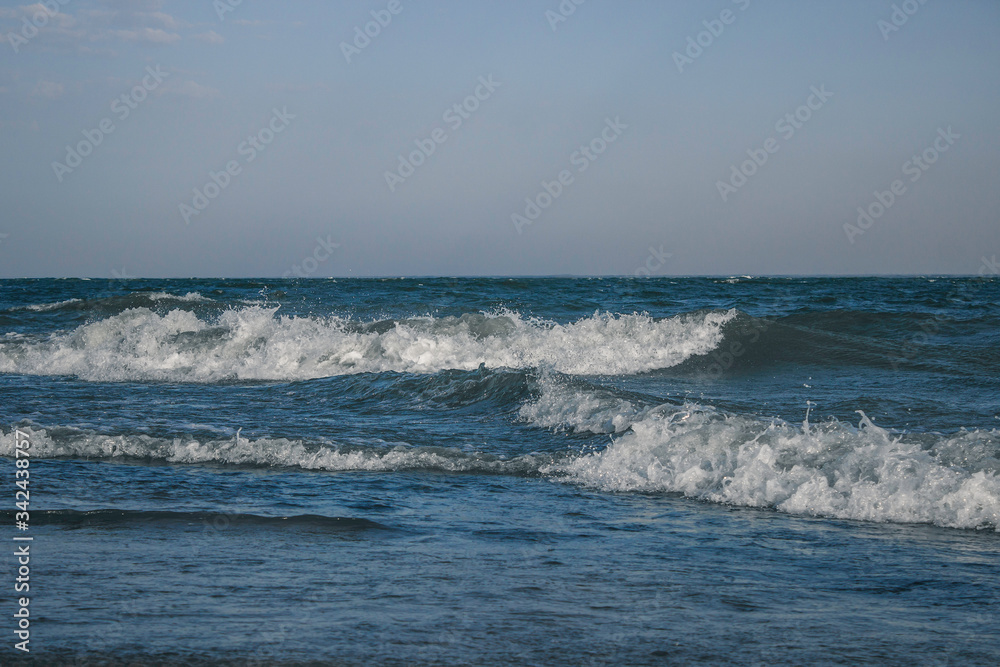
(501, 471)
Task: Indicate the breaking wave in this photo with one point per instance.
(832, 469)
(254, 343)
(264, 452)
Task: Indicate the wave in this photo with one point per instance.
(492, 390)
(896, 340)
(578, 407)
(254, 343)
(64, 442)
(832, 469)
(41, 307)
(116, 303)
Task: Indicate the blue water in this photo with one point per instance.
(742, 471)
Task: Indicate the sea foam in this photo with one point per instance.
(832, 469)
(255, 343)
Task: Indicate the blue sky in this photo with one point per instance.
(662, 193)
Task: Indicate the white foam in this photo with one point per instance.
(562, 407)
(264, 452)
(41, 307)
(162, 296)
(830, 470)
(254, 343)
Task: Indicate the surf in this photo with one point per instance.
(256, 343)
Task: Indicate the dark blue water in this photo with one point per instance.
(507, 471)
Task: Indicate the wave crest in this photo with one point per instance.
(254, 343)
(830, 470)
(265, 452)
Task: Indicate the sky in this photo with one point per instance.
(227, 138)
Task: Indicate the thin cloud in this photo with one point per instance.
(150, 35)
(126, 21)
(210, 37)
(51, 19)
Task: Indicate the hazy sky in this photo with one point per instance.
(647, 111)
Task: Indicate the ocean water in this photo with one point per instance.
(745, 471)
